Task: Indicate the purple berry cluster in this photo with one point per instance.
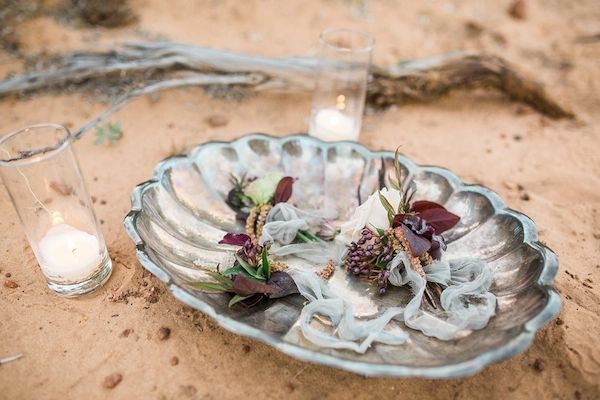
(369, 256)
(382, 280)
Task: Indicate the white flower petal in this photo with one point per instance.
(371, 213)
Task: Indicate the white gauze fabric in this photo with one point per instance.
(466, 301)
(348, 332)
(282, 225)
(468, 280)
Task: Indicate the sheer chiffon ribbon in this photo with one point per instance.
(466, 300)
(466, 303)
(282, 226)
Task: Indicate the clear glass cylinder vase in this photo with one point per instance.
(44, 181)
(341, 84)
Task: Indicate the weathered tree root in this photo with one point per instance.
(430, 79)
(417, 80)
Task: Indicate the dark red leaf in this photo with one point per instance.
(440, 219)
(398, 219)
(435, 251)
(283, 192)
(236, 239)
(418, 245)
(283, 283)
(246, 287)
(422, 205)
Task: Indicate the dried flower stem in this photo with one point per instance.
(328, 270)
(256, 221)
(251, 223)
(277, 266)
(416, 264)
(414, 261)
(262, 219)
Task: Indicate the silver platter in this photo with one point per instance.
(179, 215)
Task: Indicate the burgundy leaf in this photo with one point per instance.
(422, 205)
(435, 251)
(246, 287)
(283, 192)
(236, 239)
(283, 283)
(418, 245)
(440, 219)
(399, 219)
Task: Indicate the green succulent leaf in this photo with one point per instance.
(236, 269)
(220, 284)
(398, 168)
(395, 185)
(223, 280)
(388, 207)
(302, 237)
(238, 183)
(236, 198)
(265, 266)
(108, 132)
(252, 277)
(310, 236)
(249, 269)
(236, 299)
(209, 287)
(403, 205)
(260, 274)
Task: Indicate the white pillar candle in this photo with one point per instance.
(68, 253)
(330, 124)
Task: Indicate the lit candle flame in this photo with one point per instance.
(340, 102)
(57, 218)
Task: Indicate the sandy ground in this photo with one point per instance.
(548, 169)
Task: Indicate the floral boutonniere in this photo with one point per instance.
(388, 223)
(252, 277)
(253, 200)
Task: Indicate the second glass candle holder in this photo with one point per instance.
(341, 85)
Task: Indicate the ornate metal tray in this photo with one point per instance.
(179, 215)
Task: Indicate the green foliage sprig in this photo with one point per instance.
(108, 132)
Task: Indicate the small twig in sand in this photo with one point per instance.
(10, 359)
(300, 372)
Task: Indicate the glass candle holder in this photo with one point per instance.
(341, 86)
(43, 179)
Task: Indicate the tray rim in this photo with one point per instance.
(515, 346)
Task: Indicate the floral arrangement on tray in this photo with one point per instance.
(411, 228)
(390, 240)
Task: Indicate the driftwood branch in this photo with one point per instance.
(419, 80)
(429, 79)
